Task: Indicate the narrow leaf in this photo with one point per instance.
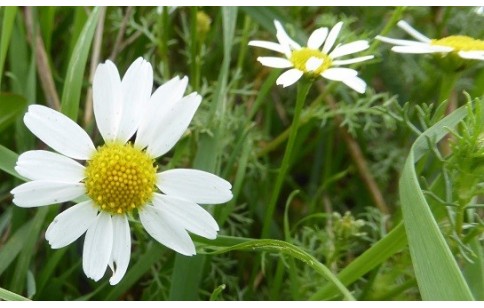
(437, 273)
(75, 72)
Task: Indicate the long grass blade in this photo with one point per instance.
(437, 273)
(71, 93)
(6, 33)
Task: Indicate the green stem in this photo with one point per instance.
(194, 59)
(302, 91)
(164, 28)
(446, 87)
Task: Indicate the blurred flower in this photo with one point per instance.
(119, 176)
(312, 60)
(465, 47)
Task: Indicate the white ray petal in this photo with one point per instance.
(40, 193)
(69, 225)
(136, 86)
(473, 55)
(194, 185)
(49, 166)
(285, 41)
(351, 61)
(317, 38)
(356, 84)
(289, 77)
(313, 63)
(421, 49)
(399, 41)
(187, 214)
(268, 45)
(173, 124)
(107, 100)
(162, 100)
(349, 48)
(59, 132)
(410, 30)
(274, 62)
(163, 229)
(339, 73)
(121, 252)
(332, 36)
(98, 245)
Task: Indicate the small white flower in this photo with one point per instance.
(464, 46)
(314, 60)
(119, 176)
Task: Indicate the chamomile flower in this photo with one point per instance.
(464, 46)
(319, 58)
(121, 176)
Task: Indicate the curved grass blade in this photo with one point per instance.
(290, 250)
(437, 273)
(75, 72)
(11, 105)
(7, 26)
(10, 296)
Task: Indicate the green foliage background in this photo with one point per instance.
(328, 238)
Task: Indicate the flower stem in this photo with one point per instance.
(302, 91)
(194, 49)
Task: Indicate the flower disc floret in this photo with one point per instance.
(459, 43)
(300, 57)
(120, 178)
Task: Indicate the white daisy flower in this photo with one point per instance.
(120, 176)
(314, 60)
(464, 46)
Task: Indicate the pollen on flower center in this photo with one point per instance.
(460, 43)
(120, 178)
(300, 57)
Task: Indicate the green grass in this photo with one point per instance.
(303, 223)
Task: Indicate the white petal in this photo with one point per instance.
(39, 193)
(274, 62)
(194, 185)
(410, 30)
(313, 63)
(162, 100)
(317, 38)
(351, 61)
(474, 55)
(421, 49)
(163, 229)
(121, 248)
(107, 100)
(69, 225)
(59, 132)
(332, 36)
(136, 87)
(49, 166)
(173, 124)
(289, 77)
(285, 41)
(98, 245)
(349, 48)
(268, 45)
(189, 215)
(339, 73)
(356, 84)
(399, 42)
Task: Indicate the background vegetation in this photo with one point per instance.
(338, 229)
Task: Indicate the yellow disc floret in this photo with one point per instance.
(300, 57)
(460, 43)
(120, 178)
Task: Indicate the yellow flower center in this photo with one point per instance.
(460, 43)
(300, 57)
(120, 178)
